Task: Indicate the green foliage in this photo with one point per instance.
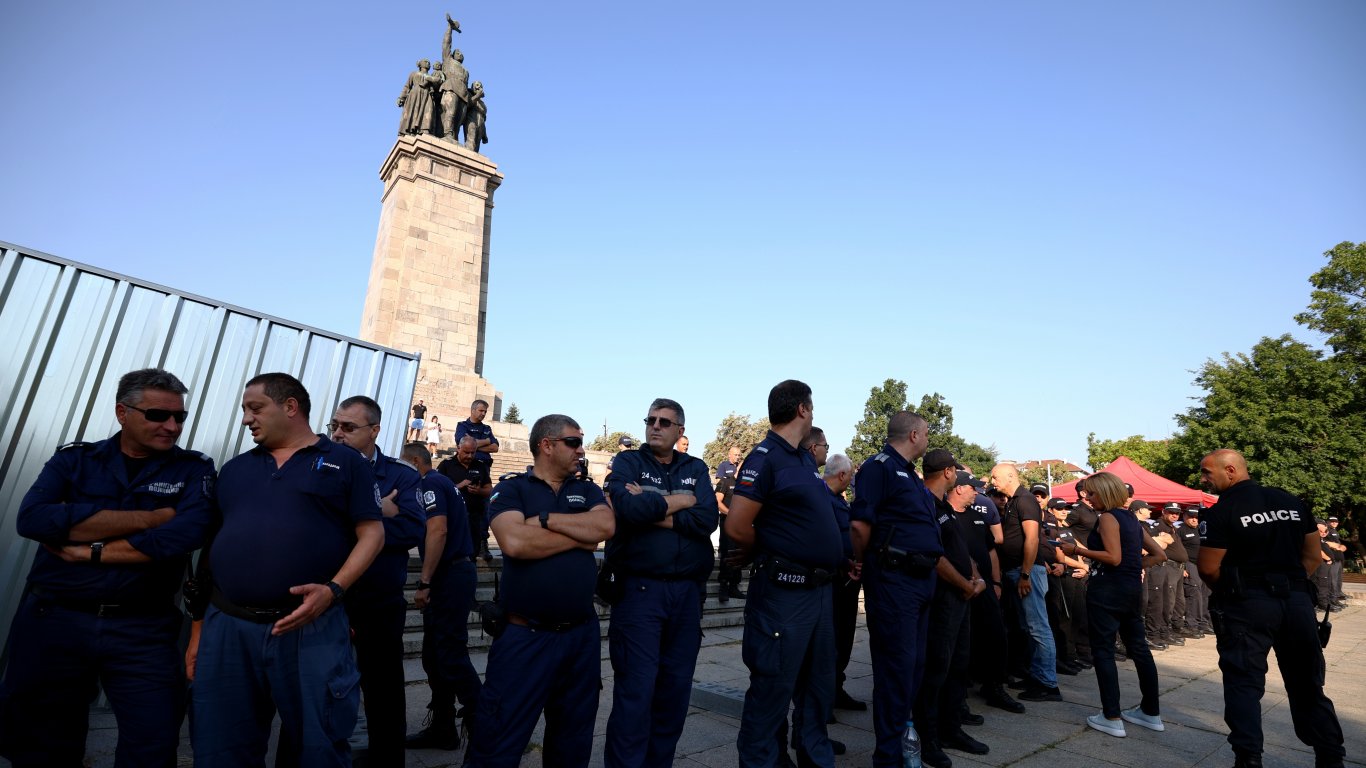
(610, 443)
(735, 429)
(871, 432)
(1039, 474)
(1152, 455)
(513, 416)
(1294, 414)
(938, 415)
(971, 455)
(1337, 305)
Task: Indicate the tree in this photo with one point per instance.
(513, 416)
(1337, 305)
(1152, 455)
(610, 443)
(734, 430)
(1291, 412)
(938, 414)
(871, 432)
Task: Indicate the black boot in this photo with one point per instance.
(440, 731)
(1247, 761)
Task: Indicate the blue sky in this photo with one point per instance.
(1049, 212)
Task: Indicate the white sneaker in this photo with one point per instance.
(1105, 725)
(1137, 717)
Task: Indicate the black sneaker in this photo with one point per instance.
(844, 701)
(1020, 685)
(966, 716)
(1066, 668)
(963, 743)
(1041, 693)
(932, 755)
(1174, 640)
(998, 698)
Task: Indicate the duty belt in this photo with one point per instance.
(517, 619)
(248, 613)
(785, 573)
(103, 610)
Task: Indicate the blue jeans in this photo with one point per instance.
(1043, 665)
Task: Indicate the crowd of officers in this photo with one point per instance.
(298, 598)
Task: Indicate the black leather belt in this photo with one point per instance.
(785, 573)
(519, 620)
(248, 613)
(103, 610)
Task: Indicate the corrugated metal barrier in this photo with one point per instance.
(69, 331)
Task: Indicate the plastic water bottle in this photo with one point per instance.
(910, 747)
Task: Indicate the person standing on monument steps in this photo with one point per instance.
(445, 596)
(484, 441)
(548, 522)
(376, 604)
(661, 555)
(117, 520)
(1258, 549)
(415, 426)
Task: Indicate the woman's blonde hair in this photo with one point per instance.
(1107, 489)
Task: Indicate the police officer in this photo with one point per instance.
(299, 523)
(472, 479)
(445, 596)
(839, 475)
(780, 516)
(548, 523)
(376, 605)
(1177, 560)
(1259, 546)
(484, 441)
(1156, 589)
(1197, 594)
(1338, 552)
(896, 536)
(117, 519)
(661, 556)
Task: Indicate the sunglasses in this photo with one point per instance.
(663, 423)
(571, 442)
(345, 426)
(160, 415)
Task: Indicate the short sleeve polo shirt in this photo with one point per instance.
(892, 499)
(796, 522)
(441, 499)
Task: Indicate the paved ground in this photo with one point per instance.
(1050, 734)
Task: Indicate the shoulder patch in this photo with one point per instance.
(199, 455)
(401, 462)
(429, 497)
(508, 476)
(76, 444)
(880, 457)
(761, 449)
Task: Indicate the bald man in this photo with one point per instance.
(1027, 577)
(1259, 546)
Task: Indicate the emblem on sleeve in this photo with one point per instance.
(429, 498)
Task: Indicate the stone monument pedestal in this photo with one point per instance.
(428, 290)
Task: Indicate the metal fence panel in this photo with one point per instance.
(69, 331)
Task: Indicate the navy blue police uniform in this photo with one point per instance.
(899, 579)
(476, 505)
(548, 657)
(280, 527)
(445, 623)
(1197, 594)
(655, 629)
(480, 432)
(82, 622)
(789, 640)
(376, 607)
(846, 591)
(1262, 601)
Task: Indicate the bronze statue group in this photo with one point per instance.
(442, 102)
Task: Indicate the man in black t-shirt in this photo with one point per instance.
(1022, 520)
(1258, 548)
(419, 421)
(472, 478)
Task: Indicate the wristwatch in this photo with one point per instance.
(421, 585)
(545, 519)
(96, 550)
(338, 592)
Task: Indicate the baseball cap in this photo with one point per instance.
(1333, 520)
(626, 442)
(1192, 512)
(1039, 488)
(938, 460)
(1129, 488)
(964, 478)
(1171, 507)
(1138, 504)
(1057, 503)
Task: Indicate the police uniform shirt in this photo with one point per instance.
(975, 523)
(478, 475)
(1021, 508)
(890, 498)
(290, 525)
(82, 479)
(1064, 535)
(795, 523)
(1175, 551)
(1082, 520)
(441, 499)
(553, 589)
(1334, 538)
(408, 528)
(1190, 539)
(641, 547)
(955, 543)
(726, 487)
(1261, 528)
(480, 432)
(841, 509)
(725, 469)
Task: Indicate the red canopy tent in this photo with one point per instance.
(1152, 488)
